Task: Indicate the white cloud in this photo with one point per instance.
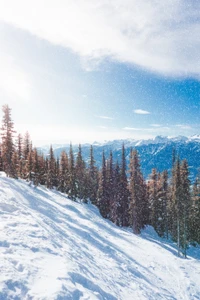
(141, 112)
(183, 126)
(102, 127)
(105, 117)
(155, 125)
(132, 128)
(161, 36)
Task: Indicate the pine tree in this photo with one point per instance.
(123, 205)
(19, 155)
(102, 197)
(63, 173)
(194, 222)
(72, 186)
(115, 208)
(163, 203)
(80, 171)
(35, 168)
(110, 183)
(7, 146)
(185, 206)
(153, 199)
(138, 203)
(50, 179)
(92, 180)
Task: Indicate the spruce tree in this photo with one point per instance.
(185, 206)
(123, 206)
(138, 202)
(194, 222)
(72, 186)
(63, 173)
(80, 170)
(92, 178)
(163, 203)
(50, 178)
(102, 197)
(7, 146)
(153, 199)
(115, 209)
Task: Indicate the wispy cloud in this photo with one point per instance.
(155, 125)
(102, 127)
(141, 112)
(105, 117)
(132, 128)
(183, 126)
(161, 36)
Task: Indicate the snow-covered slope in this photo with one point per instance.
(53, 248)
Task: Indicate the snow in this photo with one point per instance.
(53, 248)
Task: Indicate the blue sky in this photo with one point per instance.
(82, 71)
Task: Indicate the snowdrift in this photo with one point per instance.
(53, 248)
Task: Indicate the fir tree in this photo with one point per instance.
(92, 178)
(72, 186)
(102, 197)
(123, 204)
(194, 222)
(185, 206)
(63, 173)
(50, 179)
(7, 146)
(80, 171)
(138, 201)
(115, 208)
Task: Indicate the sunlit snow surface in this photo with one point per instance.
(53, 248)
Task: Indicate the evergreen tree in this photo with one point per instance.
(102, 197)
(110, 183)
(185, 206)
(35, 168)
(138, 203)
(7, 146)
(92, 178)
(194, 222)
(115, 208)
(72, 186)
(80, 171)
(153, 199)
(19, 155)
(163, 200)
(63, 173)
(50, 179)
(123, 204)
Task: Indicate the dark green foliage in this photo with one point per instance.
(123, 196)
(80, 171)
(194, 222)
(7, 146)
(92, 179)
(72, 186)
(138, 210)
(102, 196)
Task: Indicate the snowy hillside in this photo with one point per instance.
(53, 248)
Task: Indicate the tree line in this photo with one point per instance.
(170, 204)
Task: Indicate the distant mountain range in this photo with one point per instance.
(154, 153)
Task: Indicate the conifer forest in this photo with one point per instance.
(168, 201)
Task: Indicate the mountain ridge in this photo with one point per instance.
(154, 153)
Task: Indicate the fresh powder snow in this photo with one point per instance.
(54, 248)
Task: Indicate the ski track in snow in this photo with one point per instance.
(53, 248)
